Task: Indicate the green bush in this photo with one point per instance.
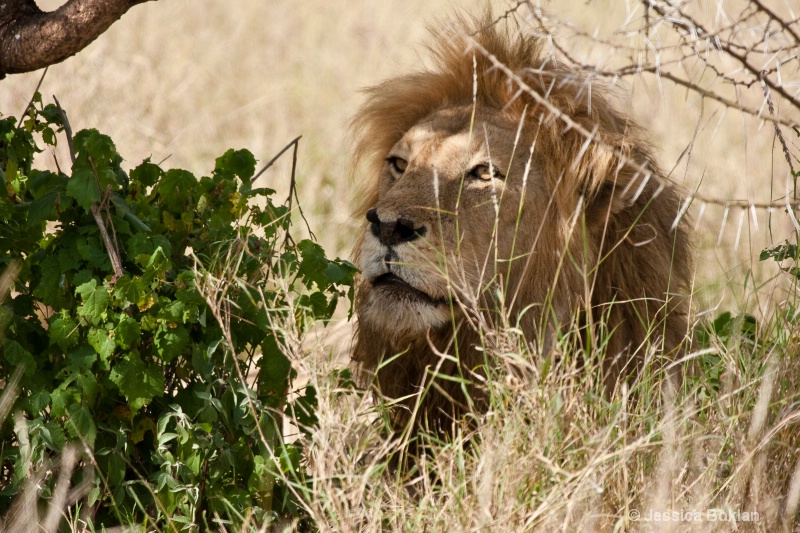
(141, 362)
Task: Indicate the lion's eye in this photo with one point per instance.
(485, 172)
(397, 164)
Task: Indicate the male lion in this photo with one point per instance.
(506, 189)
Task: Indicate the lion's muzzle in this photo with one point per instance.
(393, 232)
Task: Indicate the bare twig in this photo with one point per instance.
(292, 183)
(659, 71)
(788, 26)
(30, 103)
(293, 192)
(111, 250)
(779, 134)
(67, 128)
(277, 156)
(680, 24)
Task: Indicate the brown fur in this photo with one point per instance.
(572, 238)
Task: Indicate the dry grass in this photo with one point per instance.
(554, 453)
(187, 79)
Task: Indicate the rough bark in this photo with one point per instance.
(31, 39)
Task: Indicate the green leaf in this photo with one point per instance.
(98, 146)
(239, 163)
(781, 252)
(174, 311)
(146, 173)
(82, 358)
(340, 272)
(63, 332)
(51, 114)
(175, 190)
(50, 287)
(53, 435)
(82, 276)
(143, 426)
(82, 424)
(37, 402)
(95, 300)
(130, 291)
(60, 398)
(83, 187)
(317, 303)
(316, 268)
(93, 250)
(67, 249)
(273, 375)
(290, 460)
(43, 182)
(102, 342)
(139, 244)
(17, 355)
(123, 207)
(110, 349)
(49, 137)
(128, 332)
(170, 342)
(187, 290)
(44, 208)
(202, 360)
(87, 383)
(303, 410)
(155, 265)
(271, 218)
(137, 381)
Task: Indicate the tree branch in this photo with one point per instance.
(111, 247)
(31, 39)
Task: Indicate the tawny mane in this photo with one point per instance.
(485, 206)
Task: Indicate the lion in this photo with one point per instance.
(506, 189)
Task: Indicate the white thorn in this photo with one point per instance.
(684, 207)
(722, 226)
(739, 230)
(700, 215)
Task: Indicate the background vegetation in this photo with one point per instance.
(728, 441)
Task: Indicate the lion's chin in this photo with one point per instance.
(392, 305)
(392, 286)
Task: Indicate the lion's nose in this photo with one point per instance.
(394, 232)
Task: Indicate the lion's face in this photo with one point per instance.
(516, 197)
(452, 194)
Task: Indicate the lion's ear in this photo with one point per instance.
(616, 177)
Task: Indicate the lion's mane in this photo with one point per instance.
(606, 252)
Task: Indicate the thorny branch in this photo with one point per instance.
(672, 44)
(694, 31)
(636, 165)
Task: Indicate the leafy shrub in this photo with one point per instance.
(141, 360)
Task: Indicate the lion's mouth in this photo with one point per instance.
(400, 287)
